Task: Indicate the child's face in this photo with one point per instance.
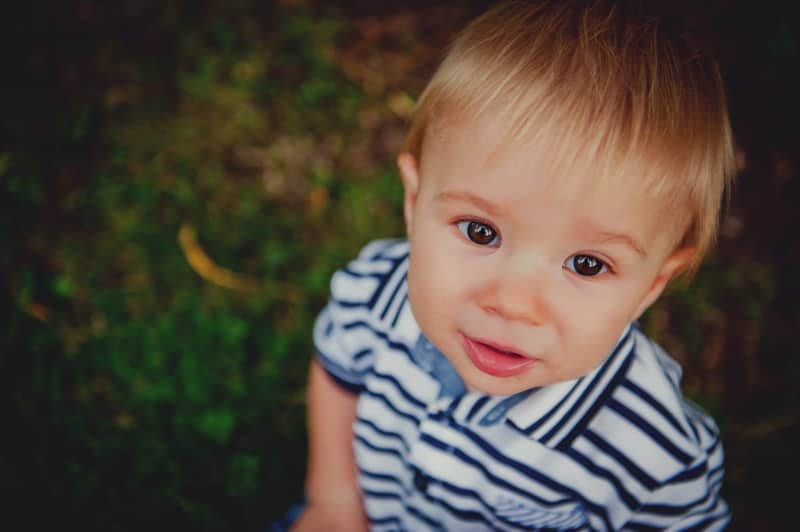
(519, 279)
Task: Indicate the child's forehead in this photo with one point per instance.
(577, 162)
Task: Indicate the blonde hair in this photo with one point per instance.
(606, 86)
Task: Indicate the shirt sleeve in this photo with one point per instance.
(345, 330)
(689, 500)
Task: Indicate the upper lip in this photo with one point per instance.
(500, 347)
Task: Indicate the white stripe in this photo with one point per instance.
(350, 288)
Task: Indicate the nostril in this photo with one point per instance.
(490, 310)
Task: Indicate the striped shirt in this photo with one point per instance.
(617, 449)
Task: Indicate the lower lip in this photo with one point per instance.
(494, 362)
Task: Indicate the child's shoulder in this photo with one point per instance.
(373, 281)
(373, 267)
(647, 419)
(365, 306)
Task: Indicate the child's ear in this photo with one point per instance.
(409, 172)
(672, 266)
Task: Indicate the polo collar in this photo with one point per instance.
(555, 414)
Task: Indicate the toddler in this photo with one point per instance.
(565, 162)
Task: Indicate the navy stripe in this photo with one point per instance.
(703, 511)
(388, 378)
(711, 449)
(599, 402)
(349, 387)
(400, 309)
(397, 288)
(453, 405)
(566, 418)
(674, 509)
(700, 419)
(362, 353)
(384, 520)
(627, 464)
(642, 527)
(477, 406)
(382, 495)
(345, 303)
(386, 524)
(431, 522)
(377, 448)
(382, 432)
(715, 485)
(380, 476)
(650, 430)
(650, 400)
(693, 473)
(624, 495)
(694, 429)
(705, 523)
(358, 275)
(715, 471)
(380, 334)
(332, 366)
(532, 428)
(391, 406)
(385, 277)
(340, 374)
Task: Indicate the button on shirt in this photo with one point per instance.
(616, 449)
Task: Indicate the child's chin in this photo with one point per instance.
(490, 385)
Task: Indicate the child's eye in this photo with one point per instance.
(586, 265)
(479, 233)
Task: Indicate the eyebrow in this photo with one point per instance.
(604, 237)
(469, 197)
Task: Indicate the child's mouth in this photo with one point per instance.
(495, 361)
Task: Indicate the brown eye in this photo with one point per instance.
(586, 265)
(479, 233)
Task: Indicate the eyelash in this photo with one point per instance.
(571, 265)
(464, 227)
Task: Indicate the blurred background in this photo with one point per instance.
(178, 180)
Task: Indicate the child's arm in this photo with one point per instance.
(334, 500)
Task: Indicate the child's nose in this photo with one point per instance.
(519, 293)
